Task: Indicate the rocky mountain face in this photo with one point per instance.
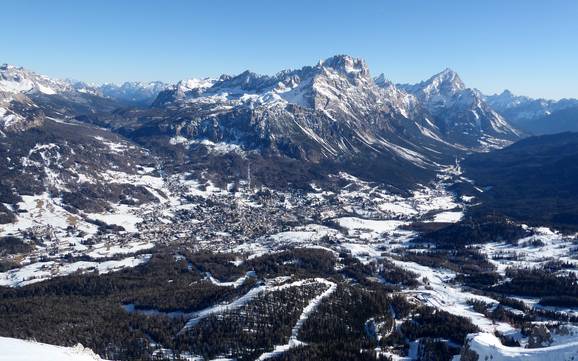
(334, 106)
(331, 114)
(15, 80)
(17, 111)
(538, 116)
(461, 113)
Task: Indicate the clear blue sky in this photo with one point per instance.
(528, 46)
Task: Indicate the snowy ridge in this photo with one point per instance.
(520, 109)
(318, 87)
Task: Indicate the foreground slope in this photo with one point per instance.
(487, 346)
(20, 350)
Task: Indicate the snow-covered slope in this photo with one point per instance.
(488, 347)
(12, 349)
(17, 113)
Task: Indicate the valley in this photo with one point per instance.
(317, 214)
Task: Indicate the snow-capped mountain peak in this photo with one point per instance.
(301, 87)
(382, 81)
(506, 99)
(346, 64)
(445, 83)
(195, 84)
(461, 112)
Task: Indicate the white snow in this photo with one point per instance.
(12, 349)
(196, 317)
(122, 216)
(533, 251)
(448, 217)
(235, 284)
(488, 347)
(367, 228)
(441, 294)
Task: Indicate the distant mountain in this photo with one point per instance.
(564, 120)
(534, 180)
(461, 113)
(538, 116)
(133, 93)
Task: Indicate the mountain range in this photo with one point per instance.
(537, 116)
(320, 213)
(333, 114)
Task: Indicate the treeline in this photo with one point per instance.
(253, 329)
(87, 308)
(463, 260)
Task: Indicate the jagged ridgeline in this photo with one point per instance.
(294, 126)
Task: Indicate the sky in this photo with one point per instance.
(527, 46)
